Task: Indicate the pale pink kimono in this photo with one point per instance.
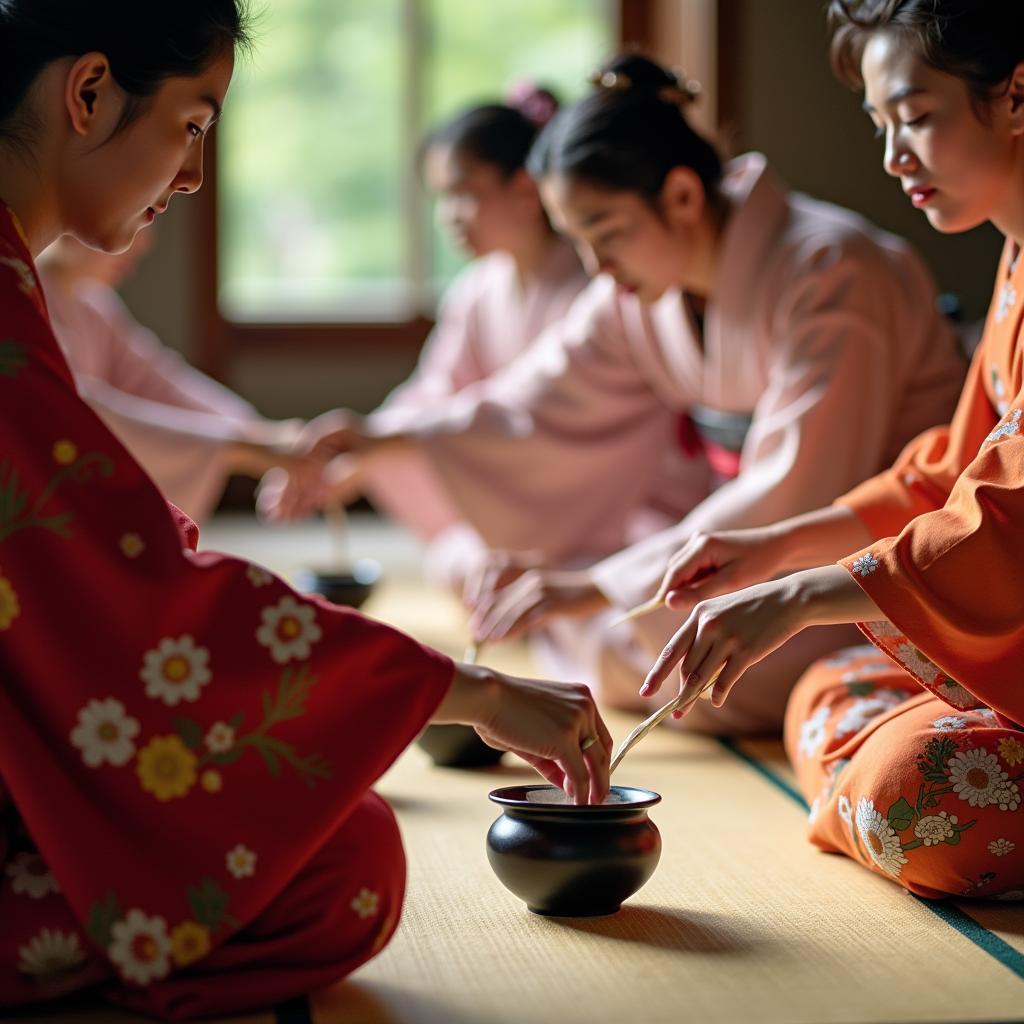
(177, 422)
(488, 318)
(821, 328)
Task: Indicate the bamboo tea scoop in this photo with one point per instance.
(635, 613)
(677, 703)
(471, 653)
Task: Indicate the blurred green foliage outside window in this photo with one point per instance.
(322, 214)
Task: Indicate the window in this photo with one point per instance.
(321, 217)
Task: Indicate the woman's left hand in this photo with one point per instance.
(530, 600)
(729, 633)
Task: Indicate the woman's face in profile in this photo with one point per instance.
(957, 164)
(618, 233)
(478, 206)
(118, 182)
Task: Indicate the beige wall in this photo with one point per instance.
(786, 103)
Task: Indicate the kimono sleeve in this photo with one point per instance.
(160, 708)
(923, 476)
(552, 454)
(139, 365)
(949, 583)
(449, 362)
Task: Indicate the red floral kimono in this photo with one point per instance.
(915, 757)
(186, 745)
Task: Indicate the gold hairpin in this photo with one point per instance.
(684, 92)
(611, 80)
(681, 94)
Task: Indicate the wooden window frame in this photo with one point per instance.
(220, 340)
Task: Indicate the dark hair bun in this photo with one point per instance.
(646, 77)
(629, 132)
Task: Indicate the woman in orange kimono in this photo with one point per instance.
(187, 745)
(910, 750)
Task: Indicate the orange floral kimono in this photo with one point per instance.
(912, 750)
(186, 744)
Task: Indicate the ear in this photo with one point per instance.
(523, 185)
(89, 93)
(683, 200)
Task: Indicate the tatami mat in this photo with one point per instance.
(743, 920)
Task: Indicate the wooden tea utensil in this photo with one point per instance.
(471, 653)
(337, 525)
(654, 603)
(677, 703)
(640, 610)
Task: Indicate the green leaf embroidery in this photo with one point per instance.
(13, 500)
(952, 840)
(288, 703)
(12, 358)
(273, 765)
(859, 688)
(901, 814)
(209, 903)
(932, 762)
(103, 915)
(191, 732)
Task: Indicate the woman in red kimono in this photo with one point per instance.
(186, 745)
(911, 751)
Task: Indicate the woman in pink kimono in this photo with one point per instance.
(188, 431)
(523, 277)
(778, 348)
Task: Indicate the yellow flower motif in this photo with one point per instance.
(190, 942)
(1010, 750)
(211, 781)
(65, 452)
(132, 545)
(10, 609)
(167, 768)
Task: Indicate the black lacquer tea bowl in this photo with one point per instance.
(351, 589)
(457, 746)
(565, 860)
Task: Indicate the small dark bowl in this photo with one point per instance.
(350, 589)
(457, 746)
(566, 860)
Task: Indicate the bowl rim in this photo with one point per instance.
(504, 798)
(363, 572)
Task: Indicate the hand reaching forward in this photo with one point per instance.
(711, 564)
(555, 727)
(730, 633)
(735, 631)
(531, 600)
(299, 491)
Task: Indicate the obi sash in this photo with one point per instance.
(718, 434)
